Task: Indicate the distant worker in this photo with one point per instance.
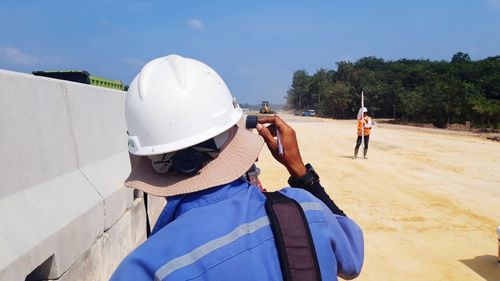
(364, 128)
(187, 143)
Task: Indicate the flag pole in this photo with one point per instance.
(362, 119)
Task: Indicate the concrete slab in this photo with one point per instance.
(61, 217)
(97, 116)
(107, 176)
(117, 243)
(88, 267)
(64, 147)
(102, 259)
(138, 219)
(156, 205)
(36, 142)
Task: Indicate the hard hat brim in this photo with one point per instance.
(233, 161)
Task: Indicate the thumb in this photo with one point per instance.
(267, 136)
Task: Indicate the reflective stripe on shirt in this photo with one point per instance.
(215, 244)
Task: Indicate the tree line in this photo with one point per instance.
(438, 92)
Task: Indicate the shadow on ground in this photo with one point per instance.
(486, 266)
(347, 156)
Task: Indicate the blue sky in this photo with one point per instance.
(254, 45)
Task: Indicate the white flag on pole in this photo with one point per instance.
(360, 112)
(362, 119)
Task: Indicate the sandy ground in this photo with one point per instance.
(428, 203)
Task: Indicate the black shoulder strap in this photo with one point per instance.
(148, 226)
(293, 238)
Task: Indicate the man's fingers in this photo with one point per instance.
(266, 119)
(280, 124)
(272, 128)
(268, 137)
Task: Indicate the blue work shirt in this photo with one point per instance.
(223, 233)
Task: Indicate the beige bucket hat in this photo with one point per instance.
(236, 157)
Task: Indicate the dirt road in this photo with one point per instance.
(428, 203)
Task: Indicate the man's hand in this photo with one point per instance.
(291, 158)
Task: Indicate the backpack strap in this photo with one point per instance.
(296, 252)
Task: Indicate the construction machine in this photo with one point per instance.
(265, 109)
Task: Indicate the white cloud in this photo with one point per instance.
(196, 24)
(135, 62)
(18, 57)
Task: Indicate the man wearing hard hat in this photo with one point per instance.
(187, 143)
(364, 129)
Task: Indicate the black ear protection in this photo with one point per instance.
(189, 161)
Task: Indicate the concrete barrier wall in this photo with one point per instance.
(64, 213)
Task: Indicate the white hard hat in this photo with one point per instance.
(175, 103)
(363, 109)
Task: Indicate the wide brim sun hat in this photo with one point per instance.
(175, 103)
(238, 155)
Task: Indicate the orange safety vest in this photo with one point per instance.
(360, 126)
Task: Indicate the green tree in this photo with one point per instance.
(420, 90)
(321, 80)
(299, 96)
(335, 100)
(460, 57)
